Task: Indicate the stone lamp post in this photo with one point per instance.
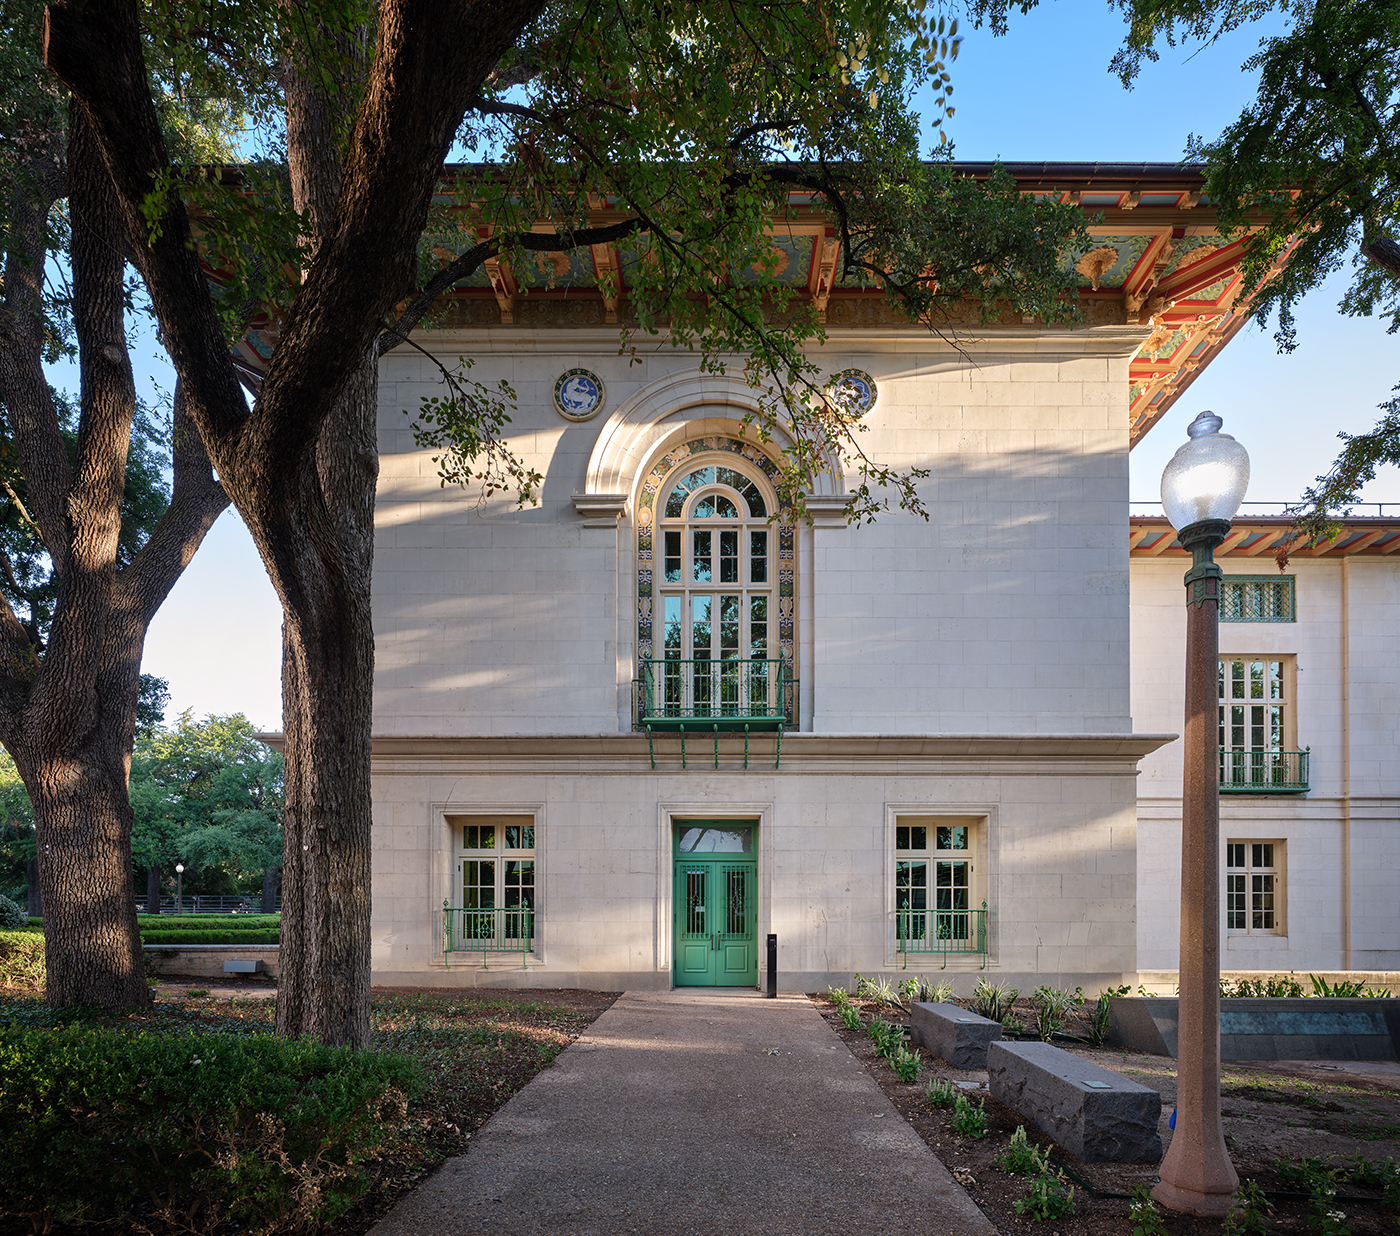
(1202, 488)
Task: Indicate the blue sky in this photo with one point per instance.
(1041, 93)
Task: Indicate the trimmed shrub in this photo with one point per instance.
(22, 959)
(178, 935)
(12, 918)
(191, 1131)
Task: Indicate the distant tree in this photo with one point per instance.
(19, 881)
(207, 793)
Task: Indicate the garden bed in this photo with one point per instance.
(474, 1050)
(1274, 1112)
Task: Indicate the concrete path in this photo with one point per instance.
(678, 1113)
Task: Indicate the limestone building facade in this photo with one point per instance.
(625, 736)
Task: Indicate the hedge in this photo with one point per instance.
(178, 935)
(191, 1131)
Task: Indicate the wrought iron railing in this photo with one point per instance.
(940, 931)
(501, 930)
(1263, 772)
(731, 693)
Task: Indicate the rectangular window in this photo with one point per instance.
(937, 906)
(1254, 887)
(1258, 598)
(1257, 735)
(494, 899)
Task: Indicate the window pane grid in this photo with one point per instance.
(1252, 887)
(1258, 598)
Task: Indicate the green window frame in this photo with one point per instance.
(1258, 598)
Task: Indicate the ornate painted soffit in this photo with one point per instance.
(1151, 536)
(1155, 259)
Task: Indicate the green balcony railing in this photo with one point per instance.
(704, 695)
(941, 931)
(501, 930)
(1263, 772)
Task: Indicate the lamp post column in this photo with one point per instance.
(1197, 1176)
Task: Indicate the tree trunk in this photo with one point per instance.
(272, 881)
(92, 947)
(152, 890)
(35, 897)
(327, 689)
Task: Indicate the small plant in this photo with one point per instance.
(1323, 1215)
(878, 991)
(905, 1064)
(1246, 1217)
(885, 1035)
(1364, 1172)
(1053, 1005)
(1307, 1174)
(969, 1118)
(909, 991)
(196, 993)
(1342, 989)
(1020, 1156)
(1098, 1019)
(1144, 1215)
(1013, 1025)
(1050, 1196)
(850, 1016)
(838, 996)
(1274, 985)
(935, 993)
(993, 1000)
(942, 1093)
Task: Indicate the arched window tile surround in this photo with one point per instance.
(663, 473)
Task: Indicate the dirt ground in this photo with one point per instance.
(1272, 1112)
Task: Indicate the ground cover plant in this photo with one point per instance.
(242, 1131)
(1282, 1122)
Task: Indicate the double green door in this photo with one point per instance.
(716, 932)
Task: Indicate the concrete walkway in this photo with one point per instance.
(683, 1112)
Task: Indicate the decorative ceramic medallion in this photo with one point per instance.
(857, 386)
(579, 394)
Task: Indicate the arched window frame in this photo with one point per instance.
(747, 459)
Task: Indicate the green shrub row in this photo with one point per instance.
(207, 920)
(191, 1131)
(184, 935)
(21, 959)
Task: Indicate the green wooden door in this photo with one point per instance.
(716, 932)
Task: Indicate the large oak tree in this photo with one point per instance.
(692, 122)
(90, 547)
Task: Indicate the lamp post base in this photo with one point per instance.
(1190, 1202)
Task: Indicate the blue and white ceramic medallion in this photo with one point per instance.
(856, 388)
(579, 394)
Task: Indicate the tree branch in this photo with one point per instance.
(466, 263)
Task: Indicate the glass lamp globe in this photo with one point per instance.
(1207, 477)
(179, 868)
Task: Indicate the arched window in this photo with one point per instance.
(715, 587)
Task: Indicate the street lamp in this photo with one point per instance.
(1202, 488)
(179, 888)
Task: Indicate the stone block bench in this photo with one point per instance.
(956, 1035)
(1267, 1028)
(1098, 1116)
